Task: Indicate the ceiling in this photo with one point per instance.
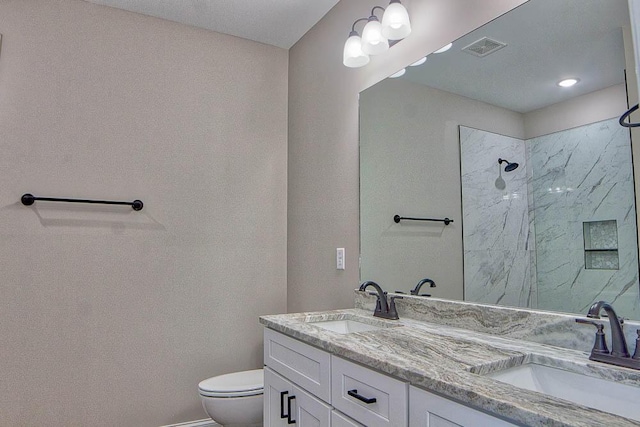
(547, 40)
(279, 23)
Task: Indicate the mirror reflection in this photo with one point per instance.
(537, 177)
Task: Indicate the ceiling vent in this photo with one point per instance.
(484, 47)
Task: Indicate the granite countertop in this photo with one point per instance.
(448, 361)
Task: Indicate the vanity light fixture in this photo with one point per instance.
(373, 42)
(419, 62)
(568, 82)
(398, 74)
(444, 48)
(376, 35)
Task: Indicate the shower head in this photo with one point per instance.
(510, 166)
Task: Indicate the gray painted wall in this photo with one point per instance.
(579, 111)
(110, 317)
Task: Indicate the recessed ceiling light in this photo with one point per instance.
(568, 82)
(419, 62)
(444, 48)
(398, 74)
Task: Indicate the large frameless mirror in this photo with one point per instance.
(537, 177)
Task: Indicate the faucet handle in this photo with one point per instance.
(600, 344)
(393, 313)
(636, 354)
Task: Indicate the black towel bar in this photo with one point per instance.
(398, 218)
(29, 199)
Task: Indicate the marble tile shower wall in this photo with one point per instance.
(585, 175)
(496, 232)
(524, 231)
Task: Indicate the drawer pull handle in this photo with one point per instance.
(289, 420)
(282, 395)
(367, 400)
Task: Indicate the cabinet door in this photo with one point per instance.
(310, 411)
(430, 410)
(288, 405)
(278, 399)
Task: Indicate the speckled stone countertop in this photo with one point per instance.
(450, 361)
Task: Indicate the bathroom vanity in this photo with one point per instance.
(347, 368)
(342, 393)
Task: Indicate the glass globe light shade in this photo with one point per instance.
(398, 74)
(395, 21)
(353, 56)
(373, 43)
(419, 62)
(444, 48)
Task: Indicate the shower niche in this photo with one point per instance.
(601, 245)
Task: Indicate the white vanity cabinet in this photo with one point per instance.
(430, 410)
(305, 386)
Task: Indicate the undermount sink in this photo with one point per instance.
(597, 393)
(347, 324)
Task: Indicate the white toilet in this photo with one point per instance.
(234, 400)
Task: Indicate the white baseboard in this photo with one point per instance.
(198, 423)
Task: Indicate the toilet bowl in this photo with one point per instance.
(235, 399)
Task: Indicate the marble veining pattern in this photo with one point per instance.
(524, 232)
(543, 327)
(582, 175)
(447, 360)
(495, 204)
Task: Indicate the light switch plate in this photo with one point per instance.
(340, 258)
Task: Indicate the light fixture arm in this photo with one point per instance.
(374, 10)
(353, 27)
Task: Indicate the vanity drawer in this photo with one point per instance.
(431, 410)
(307, 366)
(391, 396)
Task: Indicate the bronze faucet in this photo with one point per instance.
(384, 309)
(619, 354)
(416, 290)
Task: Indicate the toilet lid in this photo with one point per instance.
(245, 383)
